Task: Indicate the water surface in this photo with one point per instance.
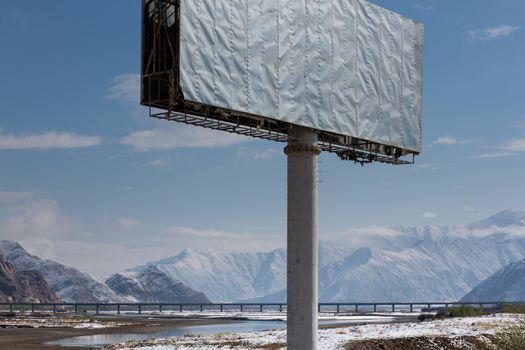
(101, 340)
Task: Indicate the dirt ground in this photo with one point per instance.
(420, 343)
(23, 338)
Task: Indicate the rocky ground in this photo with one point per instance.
(480, 342)
(466, 333)
(30, 332)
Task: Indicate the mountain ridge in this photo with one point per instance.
(153, 286)
(23, 286)
(408, 263)
(507, 284)
(70, 284)
(440, 263)
(506, 218)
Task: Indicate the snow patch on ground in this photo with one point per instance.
(335, 338)
(92, 325)
(58, 322)
(281, 316)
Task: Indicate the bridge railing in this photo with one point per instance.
(139, 308)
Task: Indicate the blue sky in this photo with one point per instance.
(88, 179)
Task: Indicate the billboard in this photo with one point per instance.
(347, 68)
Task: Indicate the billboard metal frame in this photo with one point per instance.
(161, 91)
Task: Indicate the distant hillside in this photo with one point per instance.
(71, 285)
(508, 284)
(68, 283)
(226, 276)
(153, 286)
(23, 287)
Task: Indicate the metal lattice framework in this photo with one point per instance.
(349, 153)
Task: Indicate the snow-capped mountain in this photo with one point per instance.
(504, 219)
(404, 264)
(430, 270)
(68, 283)
(426, 263)
(371, 264)
(153, 286)
(226, 277)
(23, 286)
(508, 284)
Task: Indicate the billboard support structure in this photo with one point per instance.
(348, 69)
(302, 243)
(343, 76)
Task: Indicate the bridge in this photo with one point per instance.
(139, 308)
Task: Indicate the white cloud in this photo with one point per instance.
(521, 123)
(220, 240)
(467, 208)
(267, 153)
(428, 215)
(375, 231)
(128, 222)
(36, 222)
(207, 233)
(492, 32)
(49, 140)
(181, 136)
(493, 155)
(423, 7)
(370, 236)
(509, 148)
(125, 88)
(160, 163)
(110, 257)
(6, 196)
(427, 166)
(517, 145)
(35, 217)
(449, 140)
(513, 231)
(392, 238)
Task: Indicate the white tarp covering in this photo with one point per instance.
(343, 66)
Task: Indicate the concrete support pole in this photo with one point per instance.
(302, 152)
